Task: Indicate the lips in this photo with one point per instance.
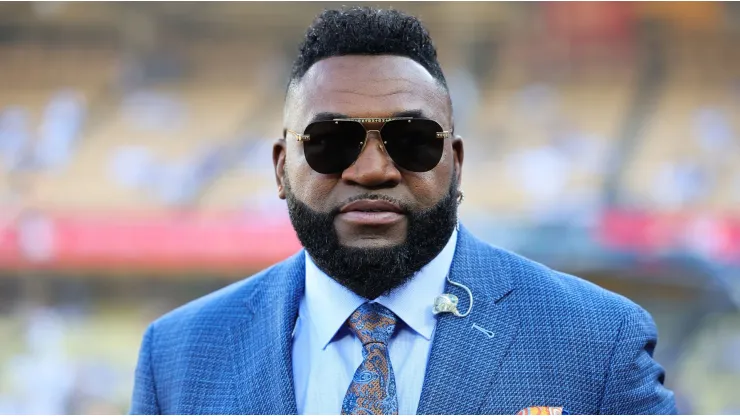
(368, 205)
(371, 212)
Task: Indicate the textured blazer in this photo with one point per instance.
(535, 337)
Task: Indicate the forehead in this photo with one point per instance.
(366, 86)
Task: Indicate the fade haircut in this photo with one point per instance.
(366, 31)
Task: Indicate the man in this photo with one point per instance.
(371, 172)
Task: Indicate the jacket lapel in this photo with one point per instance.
(263, 379)
(467, 352)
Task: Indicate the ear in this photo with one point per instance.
(458, 154)
(278, 161)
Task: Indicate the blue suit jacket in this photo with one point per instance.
(553, 340)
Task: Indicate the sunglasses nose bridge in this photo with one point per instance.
(376, 134)
(373, 132)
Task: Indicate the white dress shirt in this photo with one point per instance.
(326, 354)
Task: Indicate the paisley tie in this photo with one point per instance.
(373, 387)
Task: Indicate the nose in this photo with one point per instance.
(373, 168)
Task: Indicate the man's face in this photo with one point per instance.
(367, 86)
(370, 253)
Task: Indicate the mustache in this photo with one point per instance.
(405, 208)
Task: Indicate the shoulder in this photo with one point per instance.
(571, 322)
(548, 294)
(212, 314)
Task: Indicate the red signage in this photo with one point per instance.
(171, 242)
(712, 237)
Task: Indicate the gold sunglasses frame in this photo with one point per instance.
(445, 134)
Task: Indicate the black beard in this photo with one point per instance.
(372, 272)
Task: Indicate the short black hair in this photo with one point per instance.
(366, 31)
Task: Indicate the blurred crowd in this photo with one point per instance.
(48, 145)
(44, 378)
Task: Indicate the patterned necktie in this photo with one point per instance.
(373, 387)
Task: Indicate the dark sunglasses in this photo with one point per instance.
(414, 144)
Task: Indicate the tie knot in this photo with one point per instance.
(372, 322)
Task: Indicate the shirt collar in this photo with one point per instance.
(329, 304)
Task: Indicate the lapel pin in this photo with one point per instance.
(489, 334)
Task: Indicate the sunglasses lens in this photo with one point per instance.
(334, 146)
(413, 144)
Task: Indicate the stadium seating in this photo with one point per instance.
(694, 83)
(215, 106)
(592, 111)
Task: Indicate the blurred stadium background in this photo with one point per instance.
(135, 156)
